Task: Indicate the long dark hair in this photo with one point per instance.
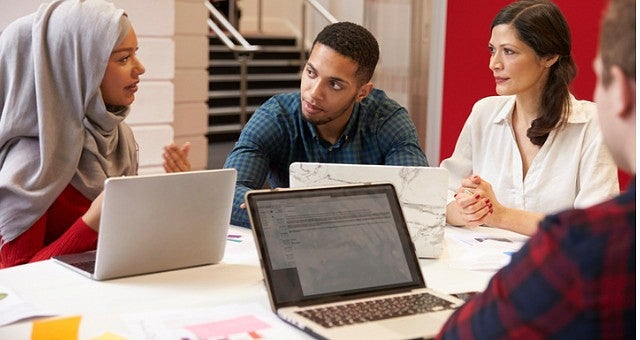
(541, 25)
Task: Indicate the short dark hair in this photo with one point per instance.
(541, 25)
(618, 39)
(352, 41)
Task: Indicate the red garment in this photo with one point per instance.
(574, 279)
(59, 231)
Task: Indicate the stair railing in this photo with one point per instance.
(243, 52)
(322, 11)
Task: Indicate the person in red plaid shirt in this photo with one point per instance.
(576, 277)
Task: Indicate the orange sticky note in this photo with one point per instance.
(56, 329)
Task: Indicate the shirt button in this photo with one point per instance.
(330, 149)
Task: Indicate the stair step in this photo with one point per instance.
(274, 69)
(256, 56)
(254, 62)
(263, 49)
(222, 53)
(259, 40)
(235, 101)
(218, 70)
(230, 110)
(224, 128)
(250, 93)
(255, 77)
(233, 82)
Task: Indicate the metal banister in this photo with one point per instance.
(323, 11)
(227, 25)
(320, 9)
(242, 52)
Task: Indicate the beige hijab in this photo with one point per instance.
(54, 126)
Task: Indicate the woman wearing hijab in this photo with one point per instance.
(68, 73)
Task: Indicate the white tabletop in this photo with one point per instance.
(237, 279)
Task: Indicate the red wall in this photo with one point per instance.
(467, 77)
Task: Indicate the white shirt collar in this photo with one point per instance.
(578, 115)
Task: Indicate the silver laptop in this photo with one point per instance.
(422, 192)
(159, 222)
(339, 263)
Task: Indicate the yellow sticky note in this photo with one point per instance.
(56, 329)
(109, 336)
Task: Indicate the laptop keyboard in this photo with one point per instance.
(373, 310)
(87, 266)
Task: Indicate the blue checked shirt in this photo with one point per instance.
(379, 131)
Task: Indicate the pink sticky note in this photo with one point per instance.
(223, 328)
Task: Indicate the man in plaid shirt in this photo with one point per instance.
(337, 117)
(575, 278)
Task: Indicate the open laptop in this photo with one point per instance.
(327, 253)
(159, 222)
(422, 192)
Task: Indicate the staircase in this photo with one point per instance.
(274, 69)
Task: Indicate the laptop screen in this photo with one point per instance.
(317, 244)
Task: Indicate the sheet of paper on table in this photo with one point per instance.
(484, 248)
(13, 308)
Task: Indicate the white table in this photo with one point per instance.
(238, 279)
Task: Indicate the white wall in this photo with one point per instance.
(285, 16)
(278, 17)
(13, 9)
(171, 102)
(191, 78)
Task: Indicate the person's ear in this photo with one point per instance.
(624, 90)
(549, 61)
(364, 91)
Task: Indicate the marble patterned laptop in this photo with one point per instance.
(422, 192)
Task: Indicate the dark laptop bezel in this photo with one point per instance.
(251, 197)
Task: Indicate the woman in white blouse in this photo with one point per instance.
(533, 149)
